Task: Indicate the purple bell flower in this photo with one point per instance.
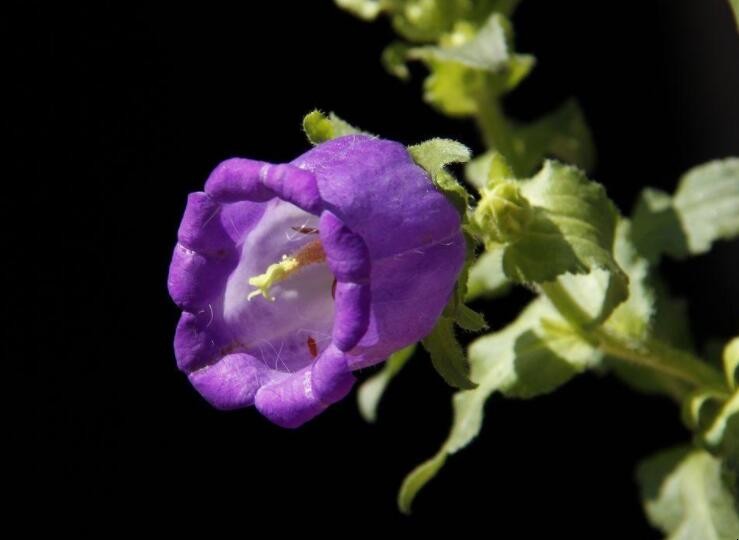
(292, 276)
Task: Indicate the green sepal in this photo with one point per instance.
(456, 309)
(321, 128)
(447, 355)
(433, 155)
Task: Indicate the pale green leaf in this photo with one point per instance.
(470, 68)
(364, 9)
(563, 134)
(427, 20)
(684, 496)
(722, 435)
(731, 363)
(453, 89)
(700, 408)
(531, 356)
(668, 323)
(320, 128)
(486, 276)
(704, 209)
(595, 296)
(487, 51)
(371, 390)
(488, 169)
(394, 60)
(447, 355)
(735, 9)
(572, 231)
(633, 318)
(416, 479)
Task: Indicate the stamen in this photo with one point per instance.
(310, 253)
(312, 347)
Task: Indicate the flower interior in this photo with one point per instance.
(278, 300)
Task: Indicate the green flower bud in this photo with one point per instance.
(503, 213)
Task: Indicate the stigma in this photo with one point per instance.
(310, 253)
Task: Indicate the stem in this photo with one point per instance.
(652, 353)
(495, 129)
(661, 357)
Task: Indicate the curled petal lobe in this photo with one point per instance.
(291, 276)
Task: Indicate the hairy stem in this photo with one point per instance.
(650, 353)
(495, 129)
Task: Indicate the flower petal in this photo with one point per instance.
(374, 187)
(297, 398)
(332, 378)
(195, 342)
(346, 253)
(195, 279)
(238, 179)
(293, 185)
(232, 382)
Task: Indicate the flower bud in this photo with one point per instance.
(503, 213)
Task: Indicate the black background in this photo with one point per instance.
(129, 108)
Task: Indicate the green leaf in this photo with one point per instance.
(394, 60)
(721, 437)
(572, 231)
(426, 20)
(486, 276)
(452, 88)
(684, 496)
(487, 51)
(418, 478)
(371, 390)
(563, 134)
(456, 309)
(704, 209)
(668, 324)
(469, 319)
(364, 9)
(470, 68)
(735, 9)
(531, 356)
(731, 363)
(433, 155)
(320, 128)
(447, 355)
(633, 318)
(488, 169)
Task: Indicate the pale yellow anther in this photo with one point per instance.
(310, 253)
